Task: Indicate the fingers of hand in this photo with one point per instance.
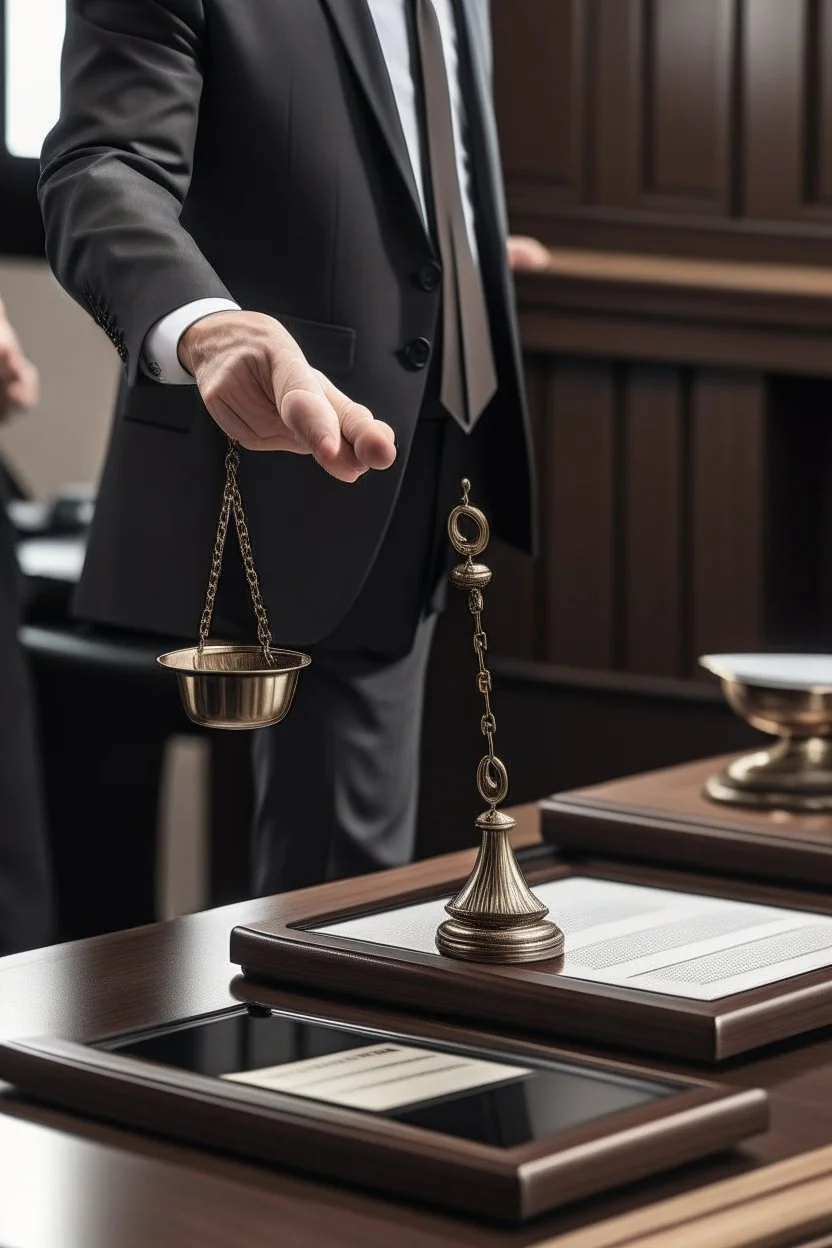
(259, 388)
(249, 418)
(526, 253)
(313, 419)
(372, 441)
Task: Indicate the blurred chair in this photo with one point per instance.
(108, 715)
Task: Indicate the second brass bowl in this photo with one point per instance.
(789, 696)
(232, 687)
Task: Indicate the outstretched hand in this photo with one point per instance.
(258, 386)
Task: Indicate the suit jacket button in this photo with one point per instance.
(417, 352)
(429, 276)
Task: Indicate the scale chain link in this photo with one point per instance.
(232, 503)
(488, 722)
(492, 775)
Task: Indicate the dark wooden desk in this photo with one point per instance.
(73, 1183)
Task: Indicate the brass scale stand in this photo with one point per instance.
(495, 918)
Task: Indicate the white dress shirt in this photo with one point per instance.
(159, 354)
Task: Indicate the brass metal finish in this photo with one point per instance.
(231, 686)
(795, 774)
(495, 918)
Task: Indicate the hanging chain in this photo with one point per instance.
(232, 503)
(492, 776)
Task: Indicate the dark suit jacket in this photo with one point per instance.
(252, 149)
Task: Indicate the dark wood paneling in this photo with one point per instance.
(774, 59)
(697, 127)
(766, 318)
(819, 105)
(653, 473)
(686, 84)
(541, 73)
(578, 505)
(513, 606)
(613, 52)
(728, 415)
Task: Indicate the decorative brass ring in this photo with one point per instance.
(460, 544)
(492, 780)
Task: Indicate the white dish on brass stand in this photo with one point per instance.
(789, 696)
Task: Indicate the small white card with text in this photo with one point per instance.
(380, 1077)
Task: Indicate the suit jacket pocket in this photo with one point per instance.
(329, 348)
(169, 407)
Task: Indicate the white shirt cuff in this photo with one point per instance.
(159, 358)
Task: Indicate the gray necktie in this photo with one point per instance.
(469, 375)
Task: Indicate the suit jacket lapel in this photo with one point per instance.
(354, 24)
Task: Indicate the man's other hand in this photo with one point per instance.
(259, 388)
(527, 255)
(19, 386)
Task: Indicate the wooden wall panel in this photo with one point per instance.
(652, 466)
(659, 98)
(774, 61)
(727, 474)
(577, 572)
(682, 510)
(693, 127)
(687, 93)
(687, 128)
(818, 110)
(614, 42)
(513, 608)
(536, 77)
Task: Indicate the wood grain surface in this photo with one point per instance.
(535, 995)
(72, 1182)
(777, 1205)
(510, 1184)
(663, 816)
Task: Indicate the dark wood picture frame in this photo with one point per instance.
(510, 1184)
(533, 997)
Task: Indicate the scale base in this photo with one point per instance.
(794, 775)
(499, 945)
(497, 918)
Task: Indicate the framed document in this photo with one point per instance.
(490, 1126)
(693, 967)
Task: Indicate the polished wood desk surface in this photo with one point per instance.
(67, 1181)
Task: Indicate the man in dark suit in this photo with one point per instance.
(25, 911)
(297, 205)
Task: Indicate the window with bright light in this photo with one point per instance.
(34, 36)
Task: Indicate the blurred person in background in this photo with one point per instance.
(25, 911)
(288, 217)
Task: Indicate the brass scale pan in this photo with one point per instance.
(235, 686)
